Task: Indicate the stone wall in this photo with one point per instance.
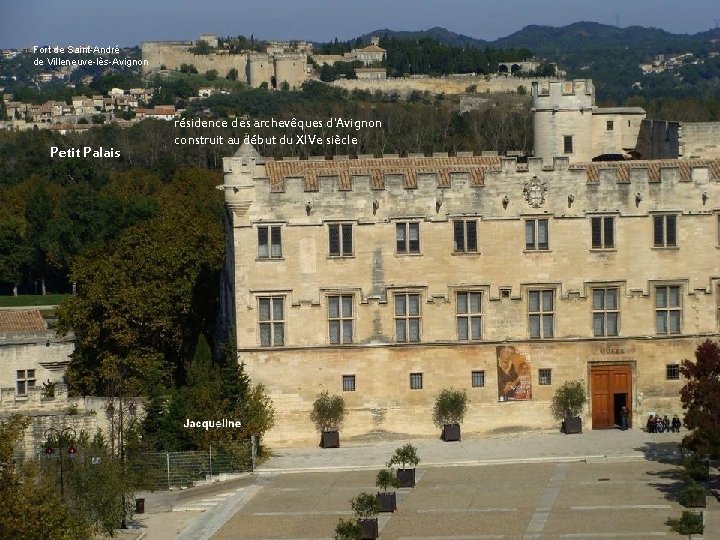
(304, 198)
(88, 414)
(457, 84)
(700, 139)
(44, 352)
(253, 68)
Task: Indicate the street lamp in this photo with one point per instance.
(65, 438)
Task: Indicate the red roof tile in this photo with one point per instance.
(21, 321)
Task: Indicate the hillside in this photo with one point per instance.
(608, 54)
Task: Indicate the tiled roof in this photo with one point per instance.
(377, 168)
(21, 321)
(684, 166)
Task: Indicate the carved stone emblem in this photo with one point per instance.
(534, 191)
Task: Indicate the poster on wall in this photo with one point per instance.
(514, 383)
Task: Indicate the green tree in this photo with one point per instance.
(699, 399)
(214, 389)
(211, 74)
(143, 299)
(96, 486)
(38, 512)
(38, 216)
(14, 252)
(688, 524)
(232, 75)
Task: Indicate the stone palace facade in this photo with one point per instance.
(387, 280)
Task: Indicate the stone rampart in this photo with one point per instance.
(700, 139)
(456, 84)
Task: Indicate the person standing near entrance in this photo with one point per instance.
(624, 418)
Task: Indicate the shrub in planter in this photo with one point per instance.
(386, 501)
(366, 509)
(567, 404)
(693, 496)
(688, 524)
(696, 469)
(328, 414)
(405, 455)
(448, 413)
(348, 530)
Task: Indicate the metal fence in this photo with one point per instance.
(166, 470)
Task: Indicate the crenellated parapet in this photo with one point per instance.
(439, 186)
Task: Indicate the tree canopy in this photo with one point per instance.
(700, 399)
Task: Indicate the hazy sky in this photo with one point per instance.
(24, 23)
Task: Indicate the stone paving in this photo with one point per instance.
(523, 501)
(600, 484)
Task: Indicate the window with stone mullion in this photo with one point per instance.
(407, 318)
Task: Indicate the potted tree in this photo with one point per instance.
(405, 455)
(448, 413)
(567, 404)
(386, 501)
(328, 414)
(694, 495)
(348, 530)
(366, 509)
(688, 524)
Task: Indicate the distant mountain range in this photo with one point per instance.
(608, 54)
(574, 41)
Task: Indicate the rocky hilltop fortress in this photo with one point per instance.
(283, 62)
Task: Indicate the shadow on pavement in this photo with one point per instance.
(662, 451)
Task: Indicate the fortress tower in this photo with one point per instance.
(290, 68)
(259, 69)
(562, 119)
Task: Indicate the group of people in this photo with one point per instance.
(656, 424)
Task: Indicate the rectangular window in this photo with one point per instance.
(667, 309)
(272, 321)
(348, 383)
(545, 376)
(24, 381)
(416, 381)
(665, 230)
(478, 379)
(407, 318)
(340, 319)
(465, 236)
(407, 236)
(536, 234)
(672, 372)
(603, 232)
(340, 239)
(541, 313)
(568, 144)
(609, 125)
(605, 312)
(269, 244)
(469, 316)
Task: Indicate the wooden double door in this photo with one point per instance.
(611, 388)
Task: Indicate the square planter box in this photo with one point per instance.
(387, 501)
(451, 432)
(406, 477)
(330, 439)
(572, 425)
(370, 528)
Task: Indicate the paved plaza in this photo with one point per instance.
(597, 485)
(542, 500)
